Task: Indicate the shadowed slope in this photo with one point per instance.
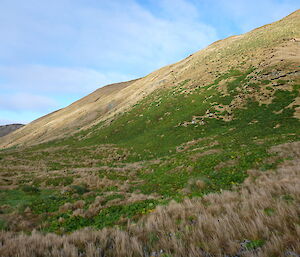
(6, 129)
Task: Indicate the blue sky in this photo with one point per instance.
(53, 52)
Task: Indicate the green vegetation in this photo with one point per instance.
(182, 142)
(164, 177)
(3, 224)
(17, 198)
(107, 217)
(254, 244)
(59, 181)
(44, 201)
(80, 189)
(30, 189)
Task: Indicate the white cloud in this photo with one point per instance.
(56, 48)
(53, 48)
(110, 35)
(141, 37)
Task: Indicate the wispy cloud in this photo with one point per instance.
(111, 35)
(55, 48)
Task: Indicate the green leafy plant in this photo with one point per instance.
(30, 189)
(80, 189)
(254, 244)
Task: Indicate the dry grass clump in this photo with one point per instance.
(195, 183)
(287, 150)
(79, 212)
(226, 164)
(135, 197)
(189, 144)
(65, 207)
(72, 206)
(196, 156)
(260, 218)
(107, 242)
(265, 210)
(95, 207)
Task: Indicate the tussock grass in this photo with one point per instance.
(258, 218)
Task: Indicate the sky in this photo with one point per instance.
(53, 52)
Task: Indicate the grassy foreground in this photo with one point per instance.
(259, 218)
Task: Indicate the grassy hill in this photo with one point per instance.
(199, 158)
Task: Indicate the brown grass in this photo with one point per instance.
(197, 156)
(265, 208)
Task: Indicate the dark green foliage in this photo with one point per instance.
(288, 198)
(59, 181)
(42, 202)
(80, 189)
(49, 203)
(254, 244)
(269, 211)
(281, 81)
(265, 82)
(30, 189)
(45, 201)
(106, 218)
(3, 224)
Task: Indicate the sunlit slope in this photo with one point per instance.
(246, 86)
(225, 118)
(275, 47)
(71, 118)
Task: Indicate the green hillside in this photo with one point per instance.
(187, 140)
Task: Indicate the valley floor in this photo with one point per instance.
(258, 218)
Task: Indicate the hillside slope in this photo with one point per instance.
(199, 158)
(270, 45)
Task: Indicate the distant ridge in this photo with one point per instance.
(6, 129)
